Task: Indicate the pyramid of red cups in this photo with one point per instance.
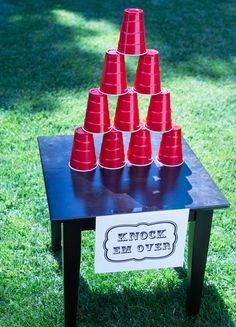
(114, 82)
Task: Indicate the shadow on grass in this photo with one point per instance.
(41, 55)
(186, 28)
(161, 307)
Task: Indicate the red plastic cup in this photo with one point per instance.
(127, 112)
(114, 81)
(97, 118)
(112, 150)
(132, 34)
(159, 112)
(140, 149)
(83, 157)
(147, 79)
(170, 149)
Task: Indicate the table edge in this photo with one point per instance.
(227, 205)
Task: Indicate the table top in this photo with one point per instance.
(77, 195)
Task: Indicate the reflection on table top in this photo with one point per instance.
(74, 195)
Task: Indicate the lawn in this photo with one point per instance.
(51, 55)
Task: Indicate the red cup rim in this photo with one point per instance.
(109, 167)
(132, 164)
(152, 52)
(112, 51)
(95, 91)
(151, 130)
(78, 130)
(130, 90)
(133, 10)
(164, 90)
(110, 128)
(136, 130)
(82, 171)
(169, 165)
(146, 93)
(115, 94)
(132, 55)
(176, 127)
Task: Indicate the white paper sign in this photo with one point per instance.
(146, 240)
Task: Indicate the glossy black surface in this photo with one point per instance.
(75, 195)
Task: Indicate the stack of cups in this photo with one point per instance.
(112, 154)
(170, 150)
(140, 149)
(83, 157)
(159, 112)
(113, 81)
(127, 112)
(132, 34)
(97, 119)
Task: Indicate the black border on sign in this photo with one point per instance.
(136, 225)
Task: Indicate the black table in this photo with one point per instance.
(75, 199)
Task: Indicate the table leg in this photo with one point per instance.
(71, 261)
(199, 235)
(56, 236)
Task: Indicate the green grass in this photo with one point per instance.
(51, 54)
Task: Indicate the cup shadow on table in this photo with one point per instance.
(150, 187)
(124, 306)
(132, 189)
